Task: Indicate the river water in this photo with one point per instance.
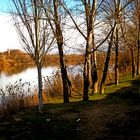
(30, 75)
(27, 74)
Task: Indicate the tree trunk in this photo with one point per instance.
(90, 69)
(86, 77)
(138, 59)
(94, 74)
(87, 65)
(133, 62)
(138, 49)
(116, 60)
(59, 38)
(40, 99)
(66, 88)
(102, 85)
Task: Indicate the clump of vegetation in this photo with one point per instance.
(21, 95)
(54, 89)
(53, 85)
(16, 97)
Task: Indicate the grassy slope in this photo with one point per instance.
(115, 115)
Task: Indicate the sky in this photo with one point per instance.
(8, 35)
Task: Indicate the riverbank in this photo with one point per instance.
(16, 58)
(114, 115)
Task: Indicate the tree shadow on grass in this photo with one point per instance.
(126, 125)
(128, 92)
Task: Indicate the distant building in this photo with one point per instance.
(8, 52)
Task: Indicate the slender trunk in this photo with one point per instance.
(102, 85)
(116, 60)
(138, 50)
(60, 42)
(90, 71)
(86, 78)
(133, 62)
(138, 59)
(88, 64)
(40, 99)
(66, 89)
(37, 55)
(94, 73)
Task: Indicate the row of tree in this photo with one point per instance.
(104, 25)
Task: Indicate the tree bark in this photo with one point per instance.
(60, 42)
(138, 49)
(94, 74)
(102, 85)
(86, 77)
(40, 99)
(66, 89)
(133, 63)
(90, 69)
(116, 59)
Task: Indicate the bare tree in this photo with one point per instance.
(88, 10)
(54, 15)
(129, 41)
(130, 29)
(117, 11)
(113, 11)
(136, 19)
(110, 44)
(34, 34)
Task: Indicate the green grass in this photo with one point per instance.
(125, 81)
(126, 85)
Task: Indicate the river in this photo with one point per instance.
(30, 74)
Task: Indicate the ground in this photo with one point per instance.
(115, 116)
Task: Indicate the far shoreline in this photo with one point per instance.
(16, 59)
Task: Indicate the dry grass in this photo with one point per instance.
(16, 97)
(19, 96)
(54, 88)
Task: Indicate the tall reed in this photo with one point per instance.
(16, 97)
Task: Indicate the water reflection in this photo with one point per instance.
(27, 75)
(8, 71)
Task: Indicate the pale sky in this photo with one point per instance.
(8, 36)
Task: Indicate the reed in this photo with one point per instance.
(21, 95)
(16, 97)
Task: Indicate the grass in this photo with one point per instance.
(114, 115)
(124, 82)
